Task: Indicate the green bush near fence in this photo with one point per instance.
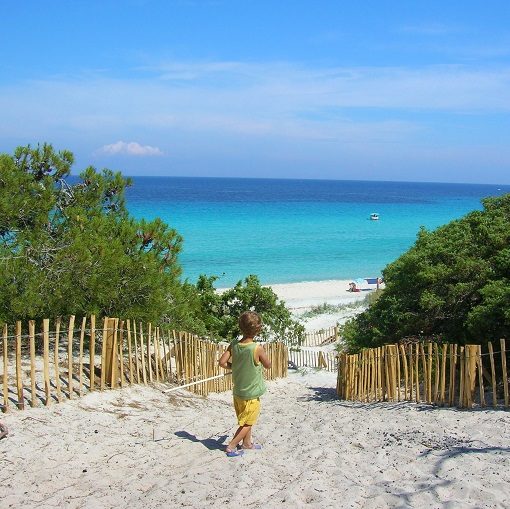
(453, 284)
(73, 249)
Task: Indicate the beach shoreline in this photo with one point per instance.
(302, 298)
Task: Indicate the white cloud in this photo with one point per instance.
(131, 148)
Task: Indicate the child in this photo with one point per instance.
(246, 359)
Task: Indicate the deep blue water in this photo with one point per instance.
(297, 230)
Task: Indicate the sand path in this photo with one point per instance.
(139, 448)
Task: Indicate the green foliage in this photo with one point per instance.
(216, 313)
(74, 249)
(454, 283)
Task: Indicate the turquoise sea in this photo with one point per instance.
(289, 231)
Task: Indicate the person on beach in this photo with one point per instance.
(353, 287)
(246, 358)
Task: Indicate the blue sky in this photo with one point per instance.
(368, 90)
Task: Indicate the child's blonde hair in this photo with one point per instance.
(250, 323)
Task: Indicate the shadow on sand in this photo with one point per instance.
(213, 444)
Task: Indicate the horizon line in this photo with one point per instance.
(308, 178)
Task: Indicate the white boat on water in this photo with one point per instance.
(374, 216)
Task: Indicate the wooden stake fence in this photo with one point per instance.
(41, 366)
(313, 359)
(446, 375)
(321, 337)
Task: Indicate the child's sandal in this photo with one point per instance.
(253, 447)
(233, 453)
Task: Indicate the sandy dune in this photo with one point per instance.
(138, 447)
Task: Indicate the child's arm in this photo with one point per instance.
(260, 356)
(224, 361)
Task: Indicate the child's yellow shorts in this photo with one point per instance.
(247, 411)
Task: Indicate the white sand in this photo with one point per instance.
(318, 452)
(302, 297)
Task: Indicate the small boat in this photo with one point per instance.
(374, 216)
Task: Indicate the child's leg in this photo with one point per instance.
(240, 436)
(248, 441)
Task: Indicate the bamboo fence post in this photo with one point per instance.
(360, 374)
(80, 365)
(121, 352)
(5, 374)
(130, 352)
(503, 367)
(187, 361)
(92, 353)
(397, 359)
(462, 381)
(453, 367)
(437, 373)
(46, 360)
(472, 351)
(467, 376)
(56, 360)
(337, 378)
(137, 364)
(355, 374)
(19, 373)
(112, 350)
(149, 359)
(493, 375)
(373, 360)
(406, 373)
(410, 354)
(33, 388)
(370, 369)
(188, 346)
(170, 342)
(363, 375)
(444, 352)
(176, 353)
(429, 372)
(394, 370)
(196, 359)
(158, 355)
(380, 376)
(387, 369)
(417, 372)
(70, 334)
(387, 381)
(209, 367)
(425, 373)
(149, 354)
(347, 379)
(352, 396)
(164, 373)
(345, 387)
(356, 366)
(480, 375)
(368, 374)
(103, 353)
(144, 371)
(208, 362)
(182, 359)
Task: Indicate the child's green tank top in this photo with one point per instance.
(246, 375)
